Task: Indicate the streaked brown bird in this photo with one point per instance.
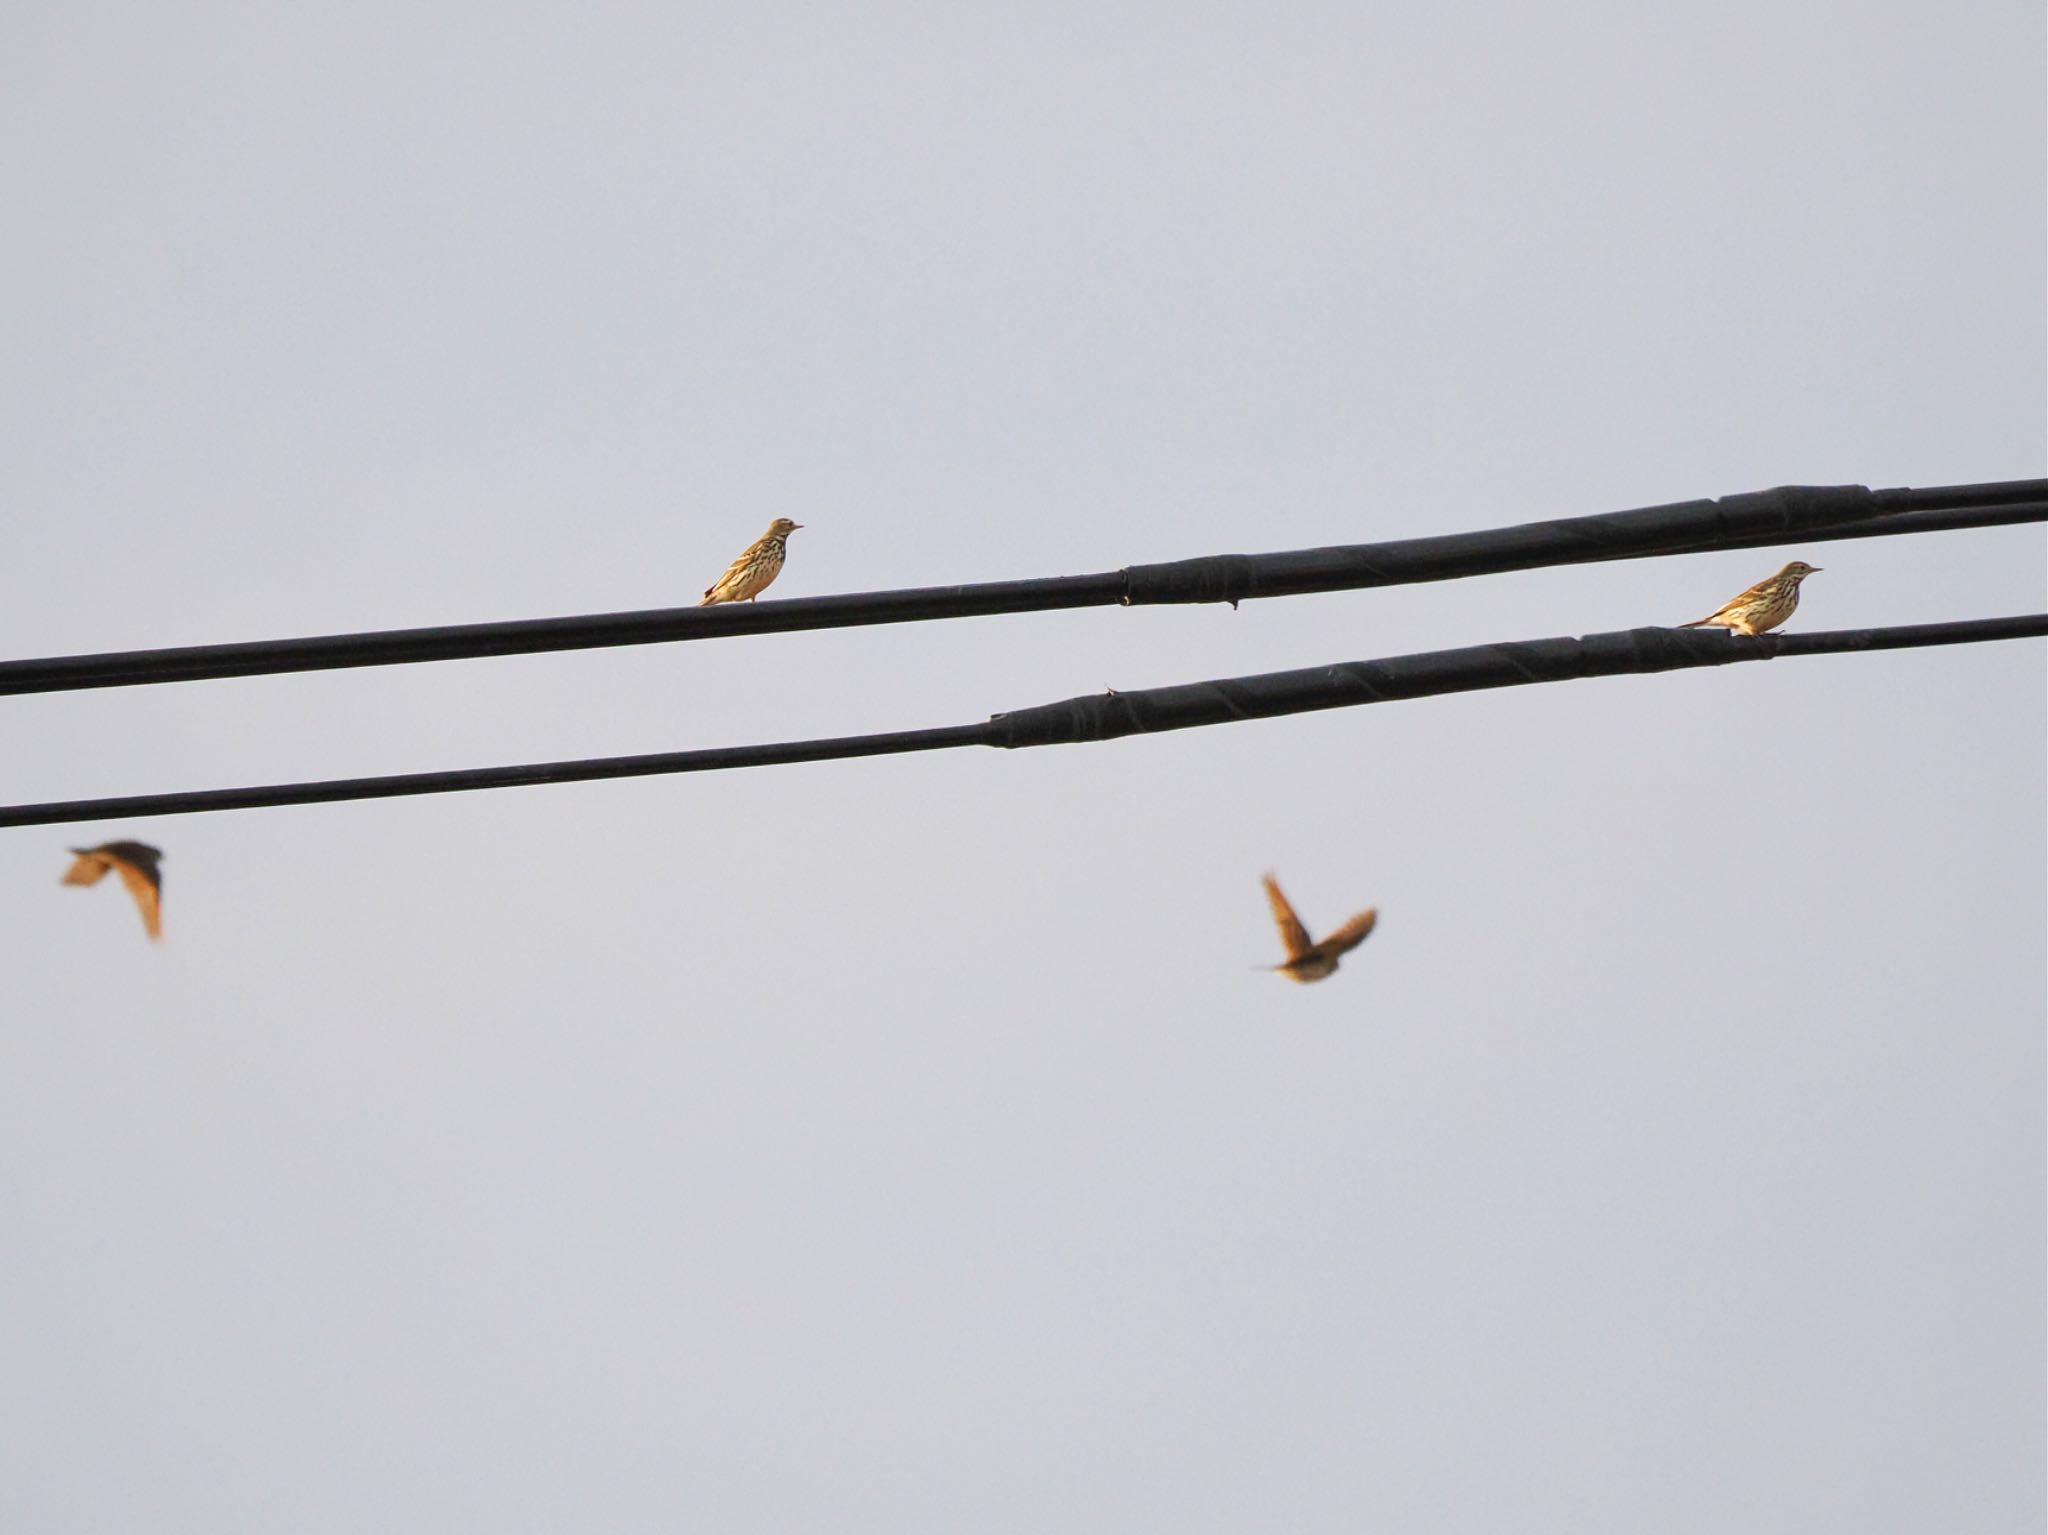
(1763, 606)
(1307, 959)
(137, 864)
(748, 576)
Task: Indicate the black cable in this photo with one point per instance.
(1806, 513)
(1931, 521)
(1104, 716)
(709, 759)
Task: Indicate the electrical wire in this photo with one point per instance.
(1789, 513)
(1105, 716)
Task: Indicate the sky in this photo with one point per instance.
(912, 1144)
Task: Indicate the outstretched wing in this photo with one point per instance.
(1293, 936)
(1352, 933)
(142, 884)
(87, 868)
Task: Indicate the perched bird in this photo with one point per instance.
(1764, 606)
(748, 576)
(1308, 960)
(136, 863)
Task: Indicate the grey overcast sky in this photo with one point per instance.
(910, 1145)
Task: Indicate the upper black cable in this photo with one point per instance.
(1105, 716)
(1806, 513)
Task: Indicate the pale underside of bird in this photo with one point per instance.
(1760, 608)
(1310, 959)
(138, 865)
(748, 576)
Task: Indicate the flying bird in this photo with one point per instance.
(136, 863)
(1763, 606)
(1307, 959)
(748, 576)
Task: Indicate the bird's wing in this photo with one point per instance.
(143, 884)
(88, 868)
(723, 577)
(1293, 936)
(737, 568)
(1742, 599)
(1348, 937)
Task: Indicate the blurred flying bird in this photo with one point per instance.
(136, 863)
(748, 576)
(1308, 960)
(1763, 606)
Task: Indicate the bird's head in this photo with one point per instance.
(1799, 570)
(782, 527)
